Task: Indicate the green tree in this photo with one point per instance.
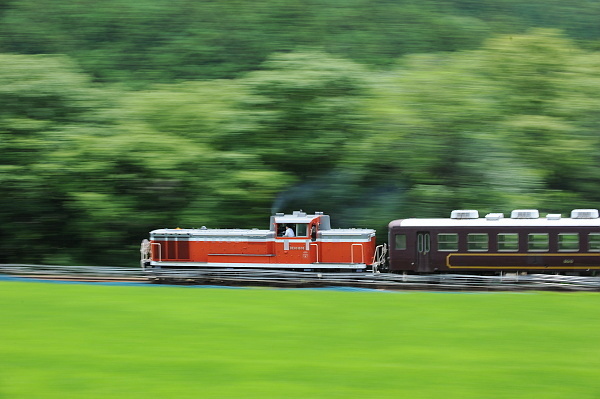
(86, 173)
(509, 126)
(45, 102)
(549, 100)
(299, 113)
(187, 122)
(151, 41)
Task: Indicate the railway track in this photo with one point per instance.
(388, 281)
(86, 279)
(74, 273)
(278, 278)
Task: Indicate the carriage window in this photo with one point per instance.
(477, 242)
(508, 242)
(594, 242)
(447, 242)
(400, 241)
(538, 242)
(568, 242)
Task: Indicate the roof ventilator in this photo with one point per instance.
(525, 214)
(584, 214)
(494, 216)
(464, 214)
(553, 216)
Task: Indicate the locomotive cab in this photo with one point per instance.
(301, 225)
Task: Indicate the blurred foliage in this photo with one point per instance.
(298, 113)
(83, 178)
(147, 41)
(164, 114)
(511, 125)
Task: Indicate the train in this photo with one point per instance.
(522, 242)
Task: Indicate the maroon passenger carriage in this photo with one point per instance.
(522, 243)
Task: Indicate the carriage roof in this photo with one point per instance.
(518, 218)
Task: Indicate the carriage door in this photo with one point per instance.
(423, 249)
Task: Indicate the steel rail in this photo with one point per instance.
(286, 278)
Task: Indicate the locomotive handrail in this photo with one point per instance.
(316, 251)
(362, 253)
(379, 256)
(159, 250)
(144, 252)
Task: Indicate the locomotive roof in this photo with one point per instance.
(213, 232)
(204, 232)
(294, 219)
(297, 217)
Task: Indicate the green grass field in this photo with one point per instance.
(81, 341)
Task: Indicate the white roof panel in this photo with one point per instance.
(482, 222)
(348, 232)
(212, 232)
(294, 219)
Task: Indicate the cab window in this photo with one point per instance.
(281, 230)
(301, 230)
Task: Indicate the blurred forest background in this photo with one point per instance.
(118, 117)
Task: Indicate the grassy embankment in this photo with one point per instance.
(82, 341)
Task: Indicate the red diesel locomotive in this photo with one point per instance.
(294, 242)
